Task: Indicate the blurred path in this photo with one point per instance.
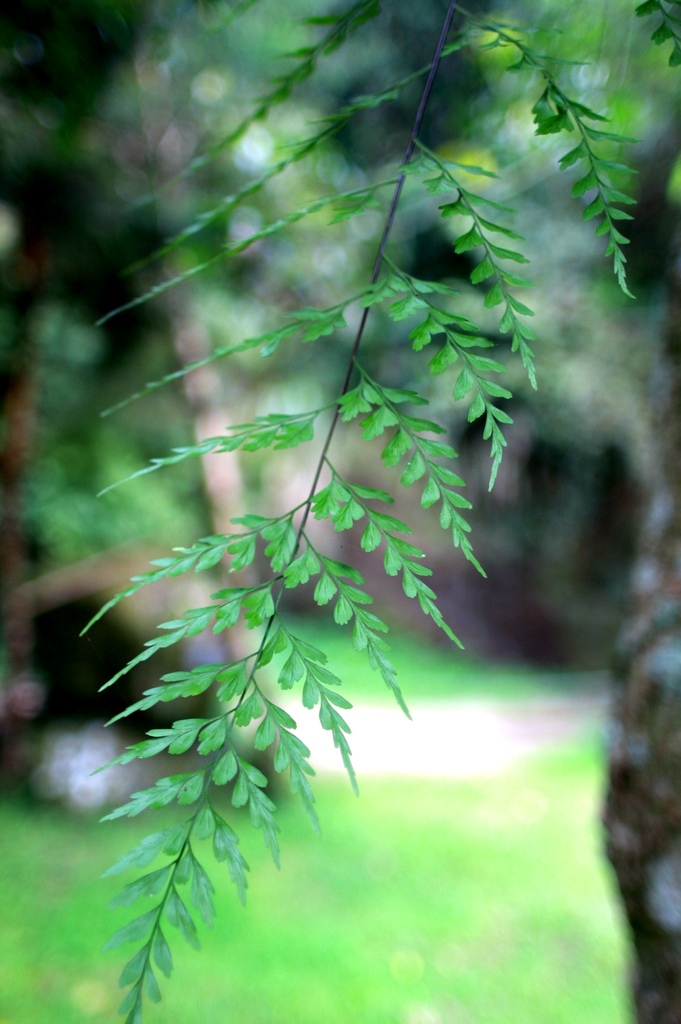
(445, 739)
(451, 740)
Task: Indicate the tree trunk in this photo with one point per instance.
(21, 695)
(643, 810)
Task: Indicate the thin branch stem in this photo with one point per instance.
(380, 253)
(360, 330)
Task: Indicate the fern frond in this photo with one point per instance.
(309, 322)
(232, 249)
(438, 481)
(668, 29)
(462, 337)
(237, 683)
(556, 112)
(275, 430)
(295, 152)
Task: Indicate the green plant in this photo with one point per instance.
(412, 446)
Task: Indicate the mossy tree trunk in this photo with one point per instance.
(643, 811)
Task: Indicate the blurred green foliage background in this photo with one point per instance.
(94, 177)
(107, 106)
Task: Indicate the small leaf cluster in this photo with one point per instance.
(408, 441)
(556, 112)
(172, 907)
(669, 27)
(461, 337)
(212, 740)
(275, 430)
(344, 503)
(208, 552)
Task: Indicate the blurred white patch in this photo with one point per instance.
(71, 753)
(459, 739)
(462, 741)
(254, 150)
(209, 87)
(243, 223)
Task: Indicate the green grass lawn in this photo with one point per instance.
(450, 902)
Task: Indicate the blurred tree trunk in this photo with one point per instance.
(210, 409)
(643, 811)
(20, 694)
